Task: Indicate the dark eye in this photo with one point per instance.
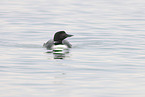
(64, 35)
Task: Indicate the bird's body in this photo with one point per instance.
(49, 44)
(60, 49)
(58, 44)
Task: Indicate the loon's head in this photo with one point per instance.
(60, 36)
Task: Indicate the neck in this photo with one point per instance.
(57, 42)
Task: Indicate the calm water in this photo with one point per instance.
(107, 58)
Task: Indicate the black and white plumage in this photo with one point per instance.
(58, 40)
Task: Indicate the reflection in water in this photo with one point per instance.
(59, 53)
(59, 56)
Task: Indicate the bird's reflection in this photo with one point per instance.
(59, 56)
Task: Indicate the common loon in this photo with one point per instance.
(58, 41)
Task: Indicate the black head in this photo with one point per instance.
(60, 36)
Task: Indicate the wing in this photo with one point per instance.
(48, 44)
(65, 42)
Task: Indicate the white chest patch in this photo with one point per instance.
(60, 49)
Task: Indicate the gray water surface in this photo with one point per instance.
(107, 58)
